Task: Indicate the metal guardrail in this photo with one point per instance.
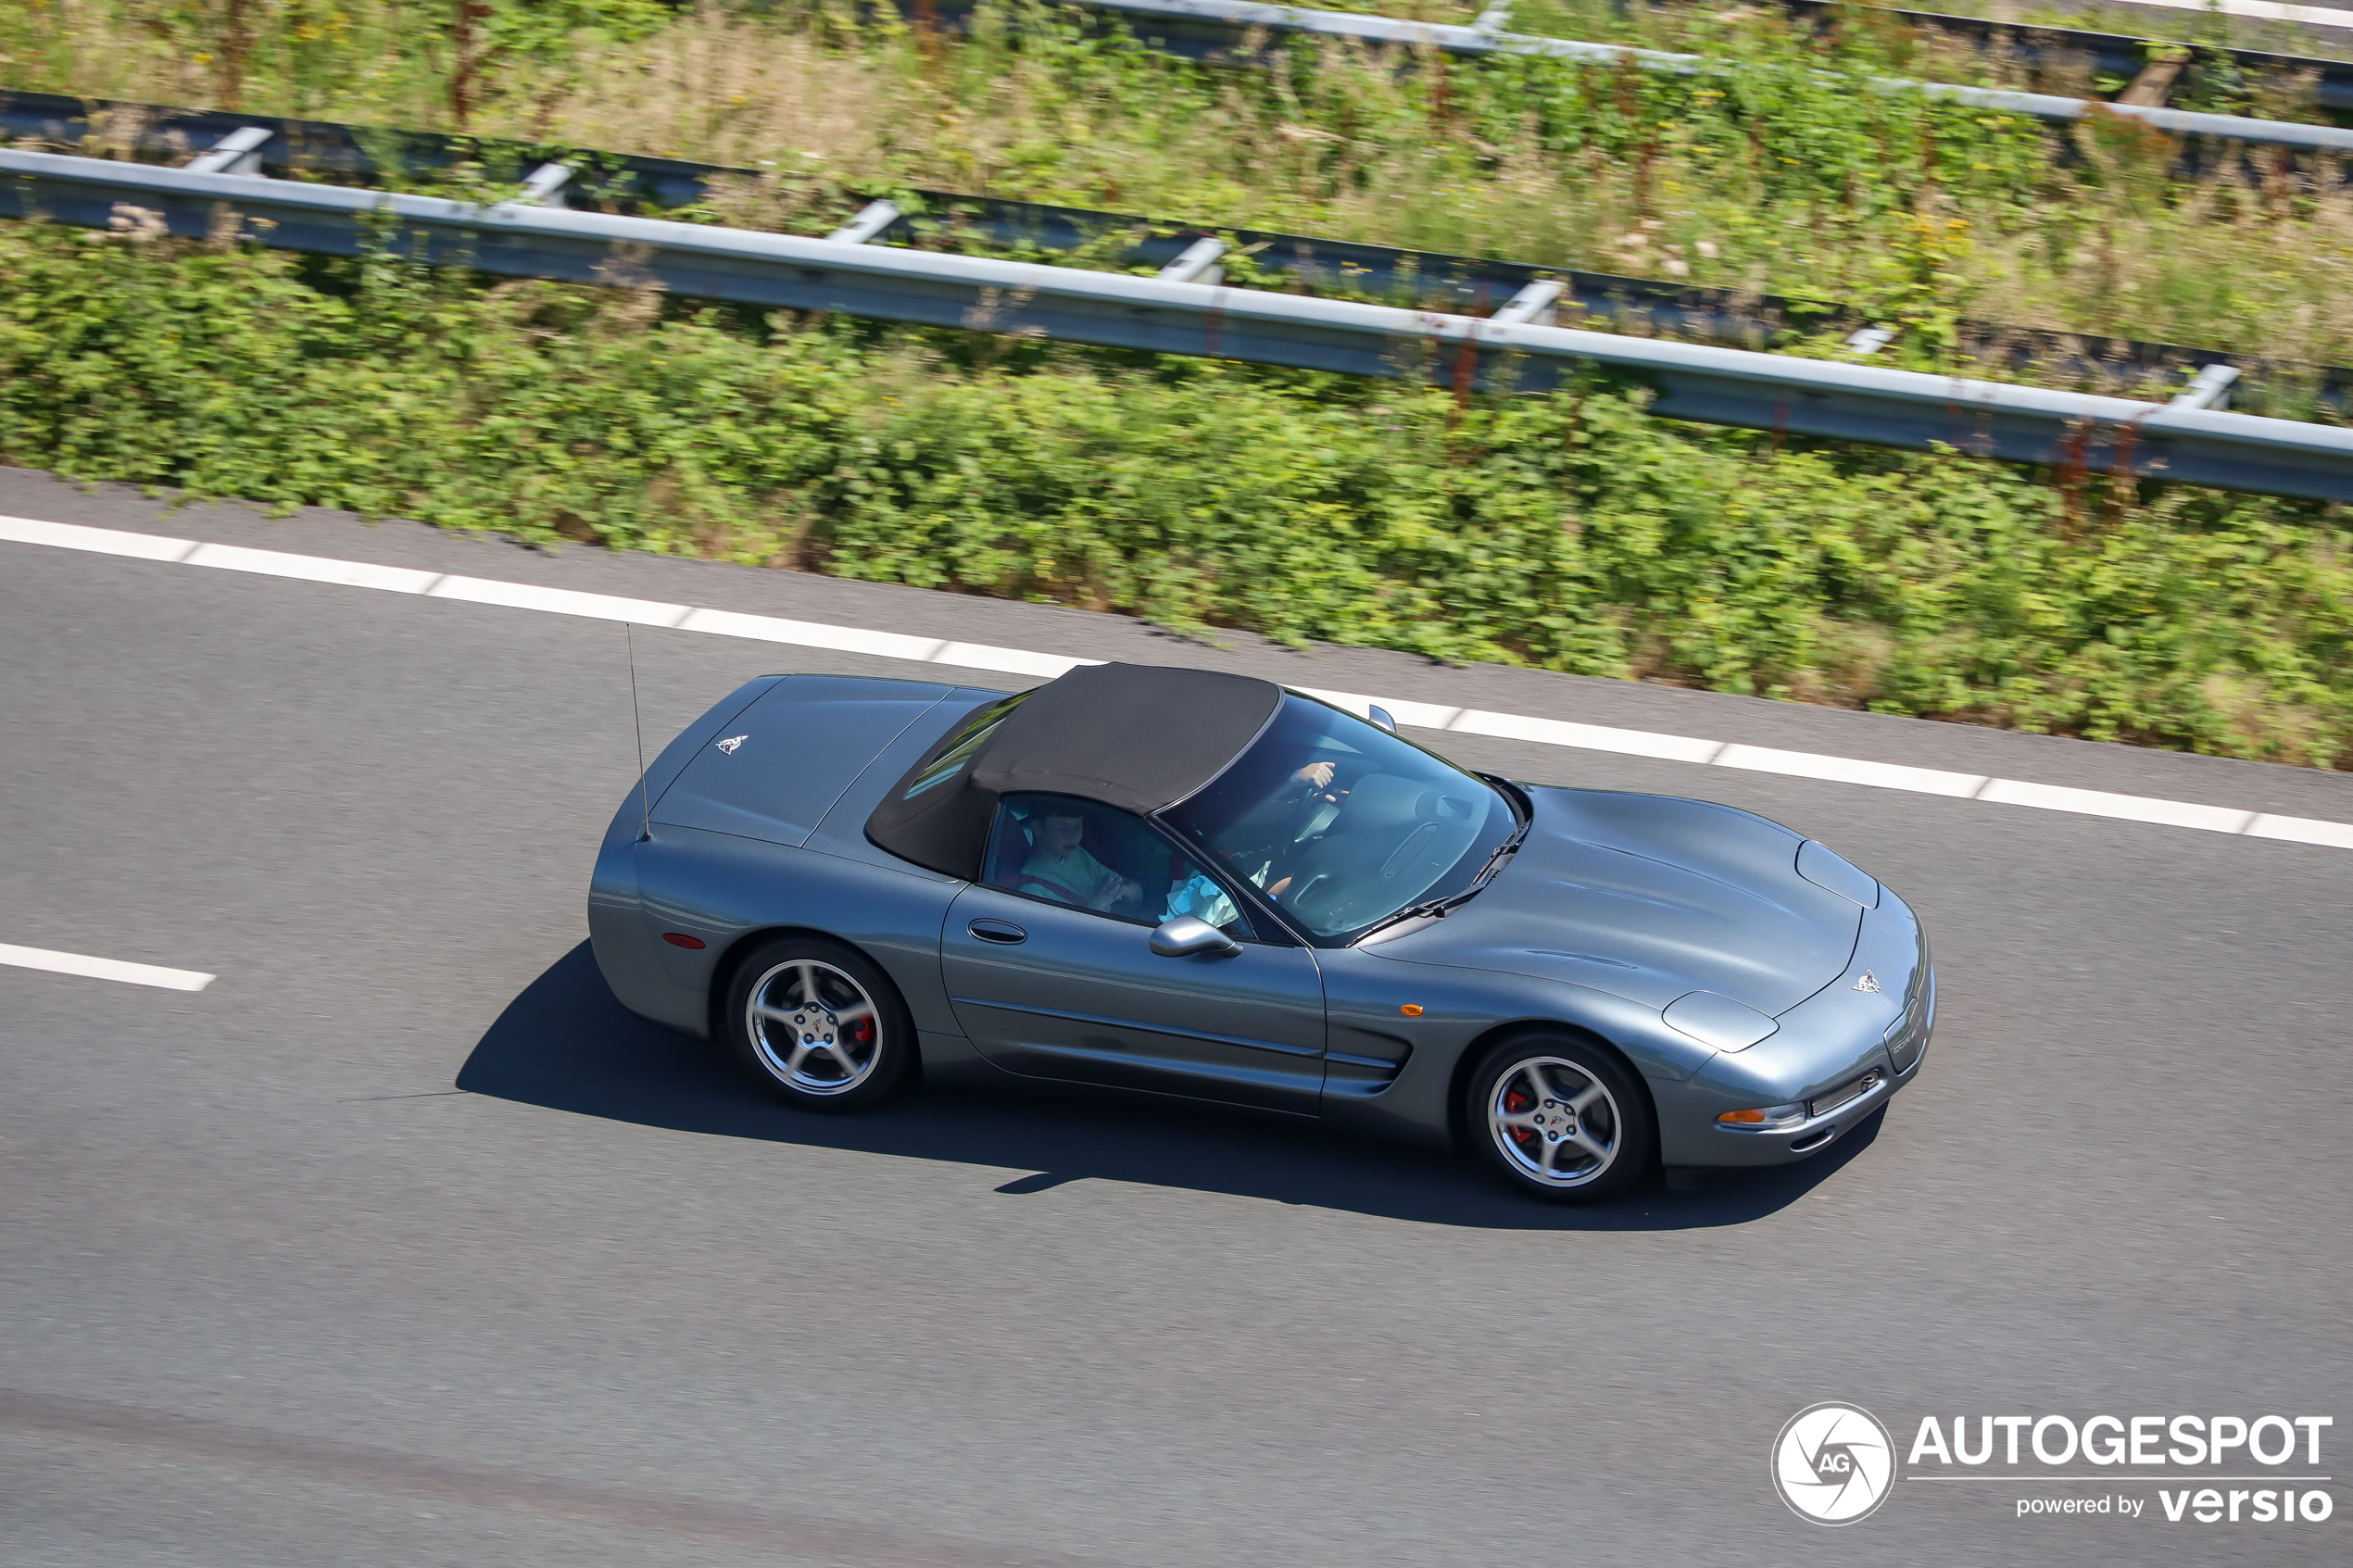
(2117, 54)
(1470, 285)
(1201, 27)
(1900, 409)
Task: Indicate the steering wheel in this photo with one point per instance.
(1313, 815)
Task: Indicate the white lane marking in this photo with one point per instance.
(1022, 661)
(1588, 737)
(1012, 661)
(557, 601)
(314, 569)
(105, 968)
(104, 541)
(2130, 808)
(1417, 715)
(2302, 830)
(1847, 770)
(813, 634)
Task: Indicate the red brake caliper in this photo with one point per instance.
(1516, 1101)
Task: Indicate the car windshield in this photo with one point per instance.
(1342, 824)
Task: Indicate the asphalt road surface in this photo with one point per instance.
(402, 1243)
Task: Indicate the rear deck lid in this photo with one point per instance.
(781, 763)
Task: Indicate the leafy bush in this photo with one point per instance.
(1573, 531)
(1780, 172)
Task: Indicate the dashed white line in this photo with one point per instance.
(1024, 661)
(105, 968)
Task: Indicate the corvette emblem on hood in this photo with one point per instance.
(729, 744)
(1869, 983)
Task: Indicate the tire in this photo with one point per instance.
(847, 1053)
(1560, 1119)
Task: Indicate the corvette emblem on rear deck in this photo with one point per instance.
(729, 744)
(1869, 983)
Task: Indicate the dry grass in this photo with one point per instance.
(2254, 262)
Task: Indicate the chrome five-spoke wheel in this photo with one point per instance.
(1564, 1118)
(814, 1027)
(1555, 1121)
(820, 1023)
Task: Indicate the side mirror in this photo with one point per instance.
(1380, 716)
(1187, 934)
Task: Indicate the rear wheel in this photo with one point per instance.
(1560, 1118)
(819, 1025)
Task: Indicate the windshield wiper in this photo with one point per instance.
(1435, 909)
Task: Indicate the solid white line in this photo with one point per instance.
(1413, 715)
(2302, 830)
(105, 968)
(104, 541)
(2129, 808)
(813, 634)
(559, 601)
(1588, 737)
(1847, 770)
(1022, 662)
(314, 569)
(1012, 661)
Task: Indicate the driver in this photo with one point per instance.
(1057, 867)
(1318, 778)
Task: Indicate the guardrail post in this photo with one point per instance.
(1871, 340)
(1800, 395)
(1495, 18)
(2210, 389)
(237, 152)
(1538, 305)
(871, 219)
(1198, 264)
(546, 186)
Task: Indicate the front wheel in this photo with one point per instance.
(1560, 1119)
(820, 1025)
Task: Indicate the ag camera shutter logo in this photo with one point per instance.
(1833, 1463)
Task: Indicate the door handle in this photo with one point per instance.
(1002, 930)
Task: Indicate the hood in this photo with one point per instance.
(1650, 897)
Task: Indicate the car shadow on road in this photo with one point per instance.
(566, 1044)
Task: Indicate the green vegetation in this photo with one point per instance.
(1783, 174)
(1570, 531)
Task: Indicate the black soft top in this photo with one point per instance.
(1137, 736)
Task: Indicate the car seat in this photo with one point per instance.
(1009, 850)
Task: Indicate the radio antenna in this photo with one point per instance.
(645, 806)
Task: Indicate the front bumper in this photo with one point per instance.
(1828, 1041)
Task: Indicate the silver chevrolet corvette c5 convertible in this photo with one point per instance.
(1184, 883)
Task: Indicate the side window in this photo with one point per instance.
(1079, 852)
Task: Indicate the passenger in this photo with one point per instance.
(1059, 869)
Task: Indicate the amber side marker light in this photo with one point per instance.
(680, 939)
(1411, 1009)
(1765, 1116)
